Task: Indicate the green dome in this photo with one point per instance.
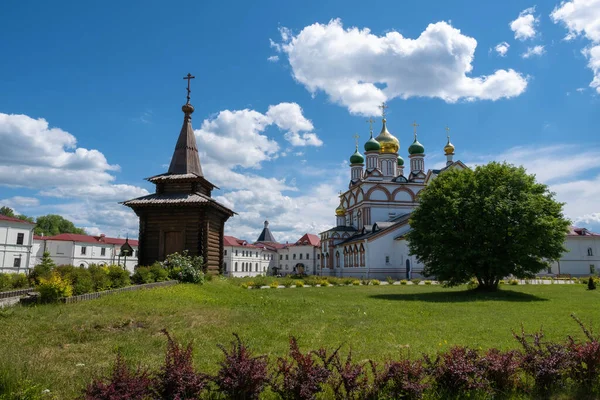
(372, 144)
(357, 158)
(416, 148)
(400, 161)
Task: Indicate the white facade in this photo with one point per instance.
(582, 257)
(83, 250)
(16, 238)
(243, 259)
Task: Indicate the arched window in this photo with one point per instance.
(337, 259)
(346, 263)
(235, 267)
(590, 252)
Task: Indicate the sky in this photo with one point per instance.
(91, 95)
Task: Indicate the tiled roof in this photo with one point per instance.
(73, 237)
(233, 241)
(310, 239)
(576, 231)
(17, 220)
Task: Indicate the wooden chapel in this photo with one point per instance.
(181, 214)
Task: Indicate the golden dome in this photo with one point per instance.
(340, 211)
(389, 144)
(449, 148)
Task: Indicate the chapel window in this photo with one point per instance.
(20, 238)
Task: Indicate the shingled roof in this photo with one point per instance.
(266, 235)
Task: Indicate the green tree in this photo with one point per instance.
(52, 224)
(43, 269)
(486, 224)
(9, 212)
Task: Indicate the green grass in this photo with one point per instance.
(45, 343)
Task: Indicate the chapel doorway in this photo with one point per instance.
(173, 242)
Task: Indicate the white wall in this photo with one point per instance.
(576, 260)
(10, 250)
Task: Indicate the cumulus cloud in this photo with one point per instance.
(359, 70)
(581, 18)
(533, 51)
(502, 49)
(525, 25)
(222, 137)
(273, 58)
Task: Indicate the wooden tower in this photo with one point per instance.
(181, 214)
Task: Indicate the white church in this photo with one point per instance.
(369, 240)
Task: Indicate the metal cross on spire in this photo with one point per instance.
(383, 106)
(189, 77)
(414, 125)
(448, 132)
(356, 139)
(370, 121)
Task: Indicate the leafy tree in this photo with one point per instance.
(43, 269)
(9, 212)
(486, 224)
(52, 224)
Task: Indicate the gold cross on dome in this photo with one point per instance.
(189, 77)
(356, 139)
(370, 121)
(447, 132)
(383, 106)
(414, 125)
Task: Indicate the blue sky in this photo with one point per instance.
(91, 95)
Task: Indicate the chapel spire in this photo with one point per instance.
(185, 157)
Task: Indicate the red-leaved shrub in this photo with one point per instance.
(457, 371)
(547, 363)
(404, 379)
(302, 376)
(500, 370)
(350, 380)
(177, 378)
(123, 383)
(585, 358)
(241, 376)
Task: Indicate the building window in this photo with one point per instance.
(17, 262)
(83, 250)
(224, 252)
(236, 254)
(307, 256)
(224, 266)
(236, 266)
(257, 254)
(590, 251)
(281, 257)
(287, 257)
(387, 259)
(81, 265)
(318, 256)
(549, 270)
(21, 237)
(301, 256)
(592, 269)
(135, 253)
(256, 267)
(58, 250)
(294, 256)
(103, 251)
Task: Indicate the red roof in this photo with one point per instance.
(17, 220)
(576, 231)
(73, 237)
(233, 241)
(309, 238)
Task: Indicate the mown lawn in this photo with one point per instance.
(63, 346)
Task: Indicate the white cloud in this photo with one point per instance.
(273, 58)
(20, 201)
(582, 18)
(525, 25)
(533, 51)
(359, 69)
(237, 138)
(502, 49)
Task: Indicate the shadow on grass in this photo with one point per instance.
(461, 297)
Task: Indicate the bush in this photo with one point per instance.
(241, 375)
(80, 278)
(347, 281)
(350, 380)
(53, 288)
(375, 282)
(301, 376)
(356, 282)
(404, 379)
(177, 378)
(119, 277)
(333, 280)
(43, 269)
(124, 383)
(585, 359)
(415, 281)
(457, 372)
(390, 280)
(403, 282)
(100, 277)
(5, 282)
(428, 282)
(501, 370)
(591, 284)
(142, 275)
(274, 285)
(158, 273)
(299, 284)
(288, 283)
(185, 268)
(513, 282)
(10, 281)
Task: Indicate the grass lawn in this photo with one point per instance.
(48, 344)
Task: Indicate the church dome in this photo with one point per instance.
(449, 148)
(400, 161)
(372, 144)
(389, 144)
(416, 148)
(340, 211)
(357, 158)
